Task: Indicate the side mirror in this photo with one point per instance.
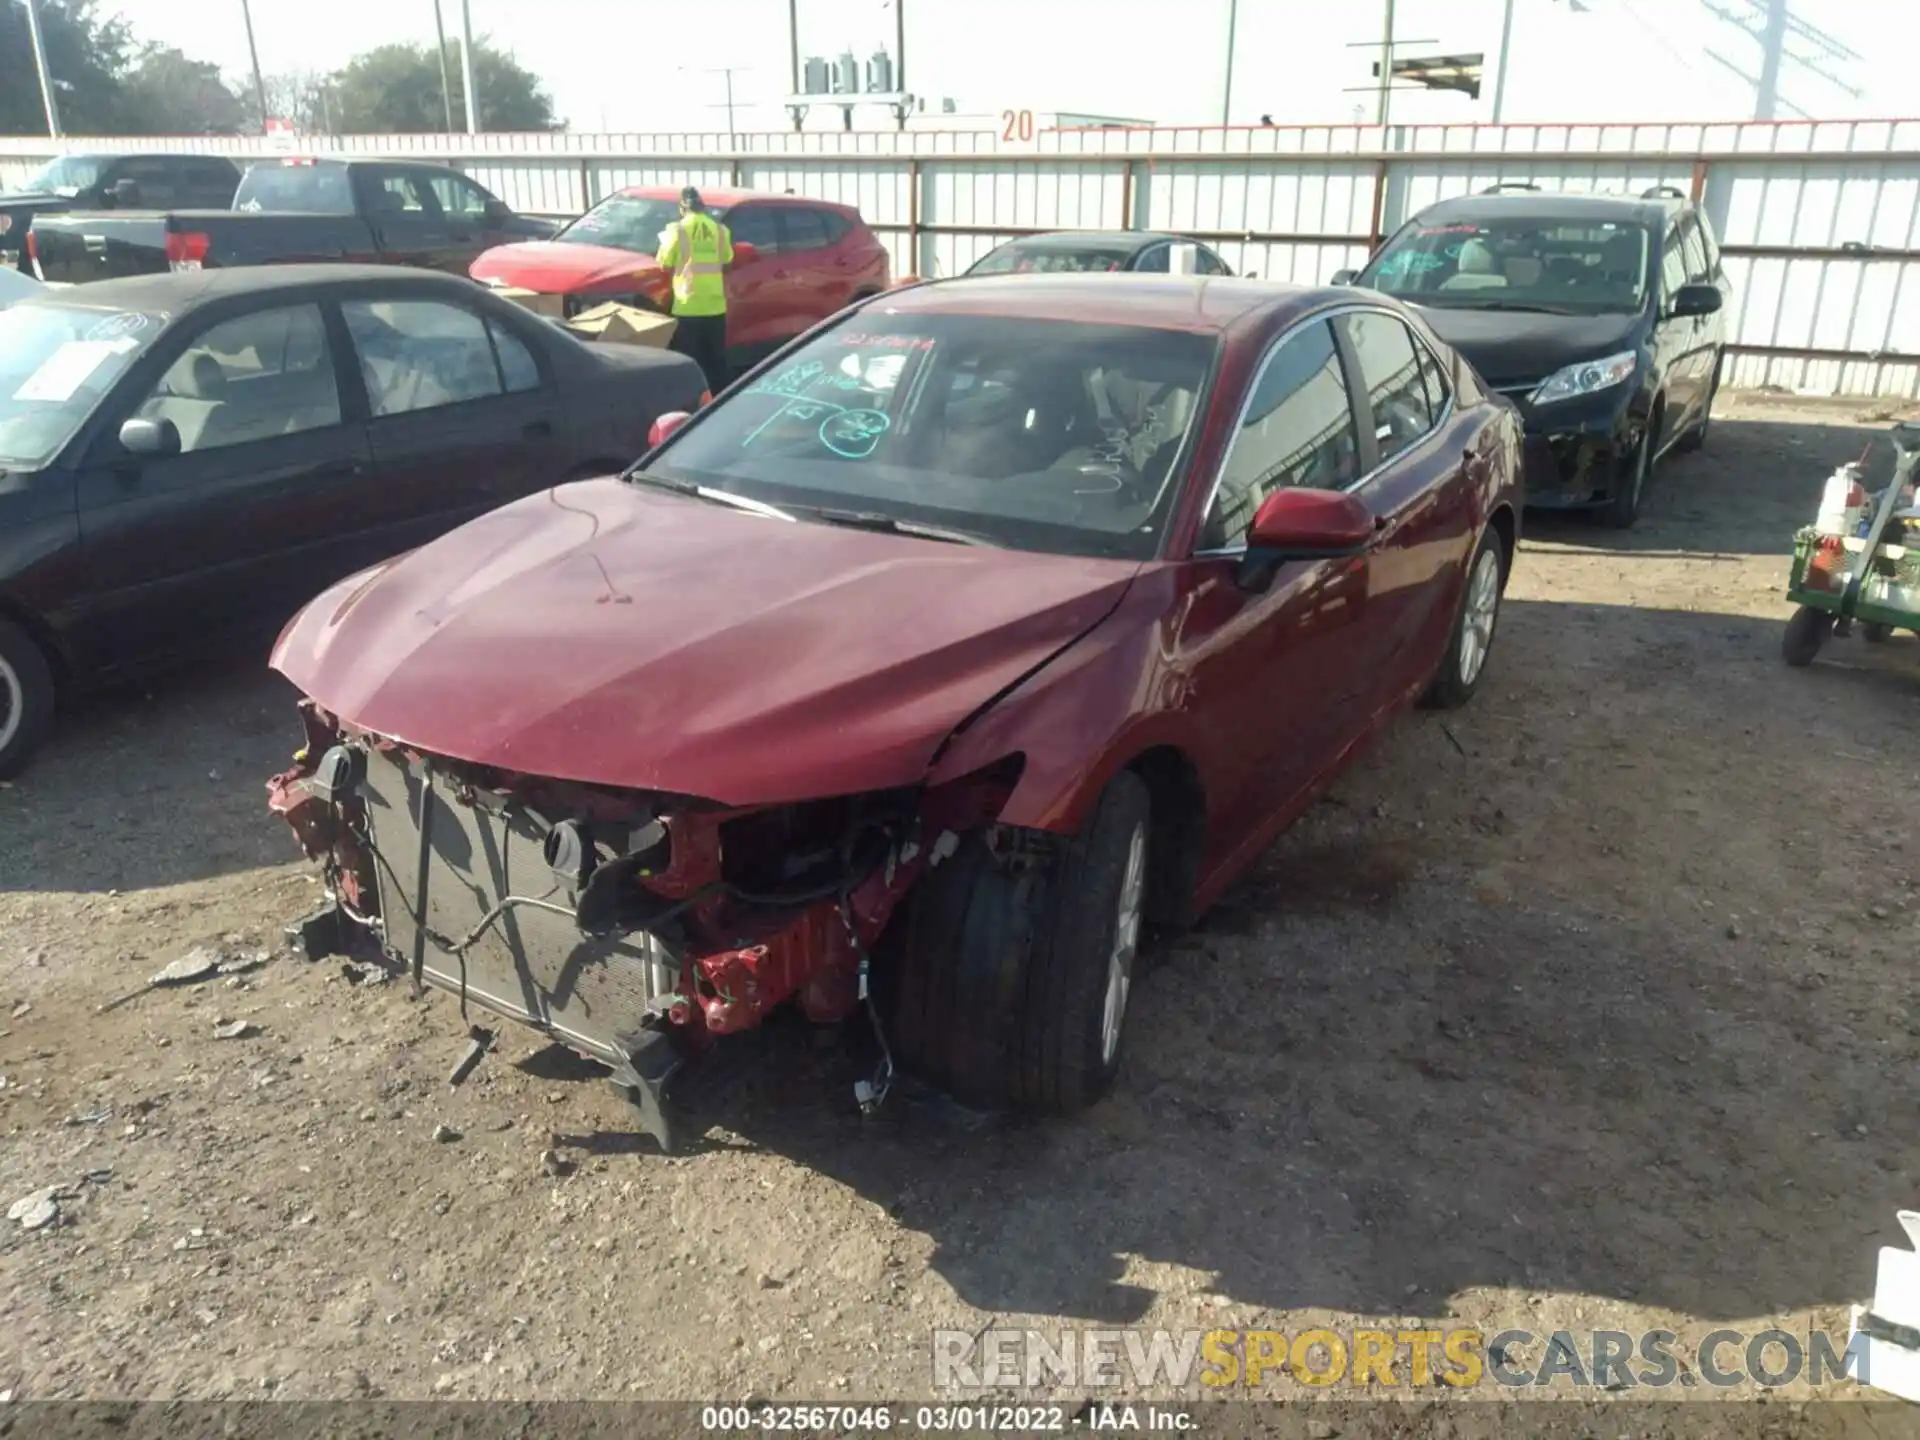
(497, 212)
(150, 438)
(1697, 300)
(1300, 524)
(1345, 277)
(124, 194)
(744, 253)
(664, 428)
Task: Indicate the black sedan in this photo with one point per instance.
(1601, 317)
(187, 459)
(1146, 251)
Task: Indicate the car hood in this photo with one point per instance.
(1513, 347)
(607, 633)
(559, 267)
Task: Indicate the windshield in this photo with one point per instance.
(1017, 258)
(67, 176)
(627, 222)
(303, 189)
(1044, 435)
(56, 364)
(1557, 266)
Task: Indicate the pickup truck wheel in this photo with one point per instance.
(26, 698)
(1006, 979)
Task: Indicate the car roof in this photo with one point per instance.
(1117, 241)
(1554, 205)
(726, 199)
(179, 293)
(1204, 303)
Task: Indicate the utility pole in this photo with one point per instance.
(446, 79)
(40, 64)
(1386, 67)
(1226, 88)
(729, 71)
(793, 43)
(1500, 74)
(466, 66)
(253, 52)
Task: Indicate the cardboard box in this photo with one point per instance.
(617, 324)
(554, 307)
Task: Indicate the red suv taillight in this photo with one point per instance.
(187, 251)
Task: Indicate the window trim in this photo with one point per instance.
(1144, 251)
(1341, 348)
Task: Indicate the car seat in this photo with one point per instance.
(1477, 270)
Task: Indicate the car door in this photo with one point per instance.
(1675, 337)
(461, 416)
(1416, 485)
(1707, 331)
(759, 308)
(237, 530)
(1277, 674)
(471, 214)
(405, 217)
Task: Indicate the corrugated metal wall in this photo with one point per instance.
(1818, 219)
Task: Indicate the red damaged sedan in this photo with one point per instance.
(996, 619)
(795, 261)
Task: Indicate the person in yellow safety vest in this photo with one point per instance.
(695, 250)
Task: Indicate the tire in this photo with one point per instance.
(1622, 510)
(1474, 626)
(1696, 438)
(1806, 632)
(26, 698)
(1005, 981)
(1875, 633)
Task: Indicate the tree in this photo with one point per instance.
(299, 96)
(86, 56)
(166, 93)
(395, 89)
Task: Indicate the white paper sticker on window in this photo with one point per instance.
(68, 368)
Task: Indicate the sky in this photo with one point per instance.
(612, 64)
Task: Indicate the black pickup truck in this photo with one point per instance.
(291, 210)
(114, 182)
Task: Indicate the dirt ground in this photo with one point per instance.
(1590, 1007)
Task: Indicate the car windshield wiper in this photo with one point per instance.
(1517, 306)
(888, 525)
(717, 497)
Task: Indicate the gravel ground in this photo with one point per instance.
(1576, 1010)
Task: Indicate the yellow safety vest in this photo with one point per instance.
(696, 251)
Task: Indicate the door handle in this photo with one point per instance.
(538, 430)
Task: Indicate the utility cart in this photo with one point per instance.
(1855, 562)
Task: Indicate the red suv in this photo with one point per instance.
(795, 261)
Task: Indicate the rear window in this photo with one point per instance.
(1553, 265)
(627, 222)
(1049, 435)
(1017, 258)
(292, 187)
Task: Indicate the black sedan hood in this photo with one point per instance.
(1518, 347)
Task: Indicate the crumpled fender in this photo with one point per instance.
(1081, 719)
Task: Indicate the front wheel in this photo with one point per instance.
(1007, 979)
(1806, 632)
(26, 698)
(1630, 484)
(1466, 658)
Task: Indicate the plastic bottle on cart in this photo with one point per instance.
(1843, 503)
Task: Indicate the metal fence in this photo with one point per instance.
(1818, 220)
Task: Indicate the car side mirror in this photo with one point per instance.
(744, 253)
(1301, 524)
(497, 212)
(1697, 300)
(663, 429)
(150, 438)
(1345, 277)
